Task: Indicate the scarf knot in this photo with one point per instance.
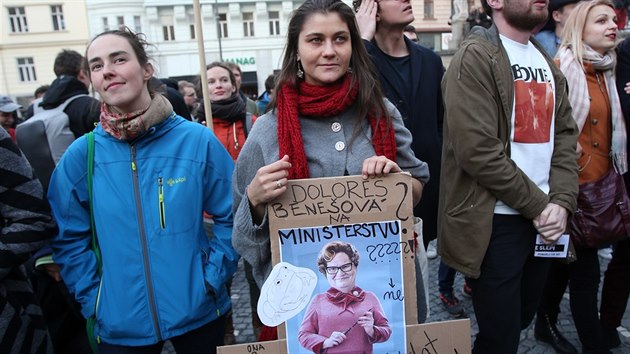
(323, 101)
(345, 299)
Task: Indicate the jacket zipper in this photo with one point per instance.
(145, 248)
(161, 203)
(98, 301)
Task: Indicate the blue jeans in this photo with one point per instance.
(446, 278)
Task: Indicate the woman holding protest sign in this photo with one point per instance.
(345, 318)
(329, 118)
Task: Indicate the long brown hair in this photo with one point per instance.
(370, 97)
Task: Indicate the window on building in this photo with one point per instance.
(168, 32)
(105, 24)
(168, 26)
(26, 69)
(274, 23)
(56, 11)
(17, 18)
(191, 27)
(248, 24)
(223, 26)
(428, 9)
(120, 21)
(137, 24)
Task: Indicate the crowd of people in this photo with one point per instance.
(132, 237)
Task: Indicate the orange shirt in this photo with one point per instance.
(231, 135)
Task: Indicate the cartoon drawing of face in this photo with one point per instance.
(285, 293)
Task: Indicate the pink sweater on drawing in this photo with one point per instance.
(324, 317)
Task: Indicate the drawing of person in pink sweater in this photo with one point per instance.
(346, 318)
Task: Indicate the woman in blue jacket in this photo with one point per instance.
(154, 174)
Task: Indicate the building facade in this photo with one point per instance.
(247, 32)
(251, 33)
(31, 34)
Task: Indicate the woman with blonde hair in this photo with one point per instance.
(587, 58)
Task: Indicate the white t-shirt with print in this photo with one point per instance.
(532, 122)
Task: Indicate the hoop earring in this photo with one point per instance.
(300, 72)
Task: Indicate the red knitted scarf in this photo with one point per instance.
(322, 101)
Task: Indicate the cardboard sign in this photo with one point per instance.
(351, 200)
(375, 217)
(448, 337)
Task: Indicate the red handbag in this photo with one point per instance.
(603, 212)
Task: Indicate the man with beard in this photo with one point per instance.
(505, 181)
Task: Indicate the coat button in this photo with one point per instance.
(336, 127)
(340, 145)
(594, 121)
(595, 144)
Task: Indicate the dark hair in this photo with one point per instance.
(330, 250)
(137, 41)
(172, 83)
(156, 85)
(225, 65)
(370, 97)
(41, 90)
(270, 82)
(409, 28)
(68, 62)
(232, 66)
(486, 7)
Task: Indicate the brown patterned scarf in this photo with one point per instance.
(128, 126)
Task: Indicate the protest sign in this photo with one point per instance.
(374, 216)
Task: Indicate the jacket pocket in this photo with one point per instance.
(467, 202)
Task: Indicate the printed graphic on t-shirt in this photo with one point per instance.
(533, 105)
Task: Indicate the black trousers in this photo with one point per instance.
(616, 286)
(583, 279)
(506, 295)
(203, 340)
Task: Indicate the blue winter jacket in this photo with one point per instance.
(162, 276)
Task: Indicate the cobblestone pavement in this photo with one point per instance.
(244, 334)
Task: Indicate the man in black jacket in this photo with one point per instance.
(72, 80)
(410, 76)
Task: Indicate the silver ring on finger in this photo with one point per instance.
(278, 184)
